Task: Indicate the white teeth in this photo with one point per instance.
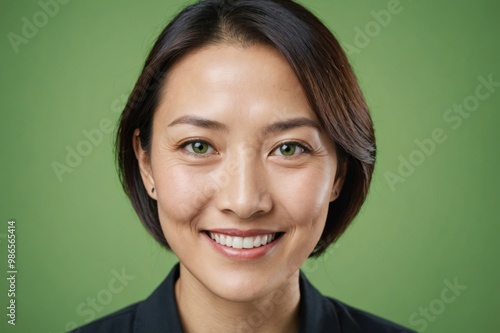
(237, 242)
(248, 242)
(257, 241)
(229, 241)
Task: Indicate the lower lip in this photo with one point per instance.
(243, 254)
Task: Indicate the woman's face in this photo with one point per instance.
(242, 171)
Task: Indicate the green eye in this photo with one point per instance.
(199, 147)
(288, 149)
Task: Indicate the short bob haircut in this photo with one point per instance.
(317, 60)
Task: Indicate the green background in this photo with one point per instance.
(439, 225)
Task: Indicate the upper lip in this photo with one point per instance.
(243, 233)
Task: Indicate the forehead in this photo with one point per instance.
(244, 80)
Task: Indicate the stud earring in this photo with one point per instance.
(153, 190)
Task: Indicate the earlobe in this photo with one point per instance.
(338, 183)
(143, 161)
(334, 195)
(335, 192)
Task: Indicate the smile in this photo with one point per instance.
(242, 242)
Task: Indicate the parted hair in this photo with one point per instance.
(316, 58)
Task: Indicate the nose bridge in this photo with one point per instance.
(245, 192)
(246, 177)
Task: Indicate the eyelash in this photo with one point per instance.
(306, 149)
(185, 144)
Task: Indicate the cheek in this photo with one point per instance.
(181, 195)
(305, 194)
(304, 203)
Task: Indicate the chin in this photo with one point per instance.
(241, 286)
(241, 281)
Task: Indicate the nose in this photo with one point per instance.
(244, 193)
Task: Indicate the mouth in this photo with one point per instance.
(234, 241)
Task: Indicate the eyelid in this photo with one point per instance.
(183, 145)
(307, 149)
(301, 144)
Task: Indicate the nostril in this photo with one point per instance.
(245, 191)
(244, 207)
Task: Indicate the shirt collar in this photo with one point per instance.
(159, 311)
(317, 313)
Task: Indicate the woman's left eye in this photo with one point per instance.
(289, 149)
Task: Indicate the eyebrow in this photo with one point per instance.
(284, 125)
(200, 122)
(275, 127)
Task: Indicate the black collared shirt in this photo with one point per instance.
(318, 314)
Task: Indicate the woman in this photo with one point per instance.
(245, 147)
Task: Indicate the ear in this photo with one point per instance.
(339, 181)
(144, 165)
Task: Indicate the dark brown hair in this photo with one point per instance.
(319, 64)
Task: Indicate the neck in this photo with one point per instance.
(201, 311)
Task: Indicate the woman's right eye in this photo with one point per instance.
(199, 147)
